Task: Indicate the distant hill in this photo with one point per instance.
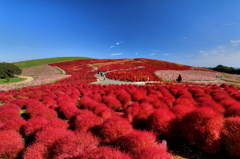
(37, 62)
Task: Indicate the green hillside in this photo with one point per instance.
(37, 62)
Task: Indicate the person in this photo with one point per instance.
(179, 79)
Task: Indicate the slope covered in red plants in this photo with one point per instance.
(74, 119)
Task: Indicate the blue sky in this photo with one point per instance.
(201, 33)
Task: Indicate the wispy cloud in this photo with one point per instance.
(184, 38)
(166, 54)
(116, 54)
(152, 54)
(119, 42)
(235, 41)
(230, 24)
(189, 55)
(136, 53)
(115, 45)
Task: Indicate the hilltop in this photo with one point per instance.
(37, 62)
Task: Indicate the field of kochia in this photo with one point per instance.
(73, 119)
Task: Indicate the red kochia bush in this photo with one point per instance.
(123, 96)
(11, 144)
(202, 127)
(230, 135)
(68, 109)
(181, 110)
(102, 110)
(85, 120)
(10, 106)
(164, 123)
(33, 125)
(35, 150)
(104, 152)
(48, 137)
(152, 152)
(233, 111)
(8, 114)
(56, 123)
(74, 145)
(113, 128)
(135, 141)
(14, 124)
(112, 102)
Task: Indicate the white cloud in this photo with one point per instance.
(235, 41)
(152, 54)
(230, 24)
(117, 43)
(185, 38)
(136, 53)
(115, 54)
(112, 47)
(189, 55)
(166, 54)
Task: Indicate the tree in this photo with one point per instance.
(8, 70)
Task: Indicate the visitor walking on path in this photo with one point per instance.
(179, 79)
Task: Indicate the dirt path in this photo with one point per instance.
(29, 78)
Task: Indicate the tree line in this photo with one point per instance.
(8, 70)
(226, 69)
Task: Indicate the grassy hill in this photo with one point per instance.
(37, 62)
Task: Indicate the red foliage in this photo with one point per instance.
(202, 127)
(85, 120)
(181, 110)
(10, 106)
(112, 102)
(48, 137)
(102, 110)
(233, 111)
(74, 145)
(123, 96)
(68, 109)
(113, 128)
(14, 124)
(230, 135)
(214, 105)
(56, 123)
(163, 123)
(8, 114)
(33, 125)
(152, 152)
(135, 141)
(11, 144)
(104, 152)
(35, 150)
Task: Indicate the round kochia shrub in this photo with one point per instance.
(104, 152)
(33, 125)
(202, 127)
(35, 150)
(164, 123)
(135, 141)
(152, 152)
(74, 145)
(11, 144)
(14, 124)
(113, 128)
(8, 114)
(230, 135)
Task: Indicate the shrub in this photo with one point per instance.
(123, 96)
(14, 124)
(233, 111)
(74, 145)
(152, 152)
(181, 110)
(48, 137)
(230, 136)
(8, 114)
(102, 110)
(85, 120)
(135, 141)
(113, 128)
(68, 109)
(112, 102)
(33, 125)
(56, 123)
(104, 152)
(164, 123)
(35, 150)
(138, 95)
(11, 144)
(202, 127)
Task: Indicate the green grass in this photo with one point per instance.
(12, 80)
(37, 62)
